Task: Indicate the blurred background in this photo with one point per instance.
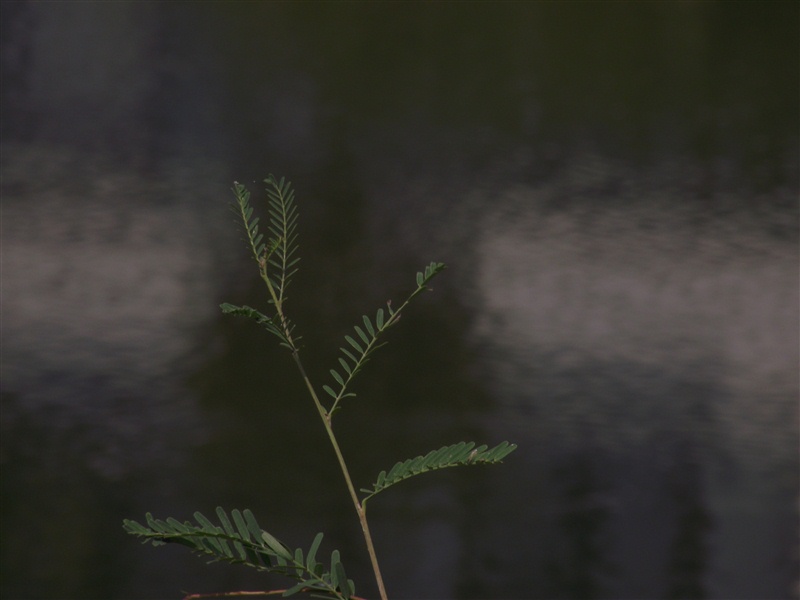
(614, 187)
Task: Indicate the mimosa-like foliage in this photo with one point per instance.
(239, 539)
(448, 456)
(247, 544)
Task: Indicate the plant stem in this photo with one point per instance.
(360, 510)
(326, 421)
(280, 245)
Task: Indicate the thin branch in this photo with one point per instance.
(232, 594)
(241, 594)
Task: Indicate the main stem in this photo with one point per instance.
(324, 415)
(360, 509)
(277, 300)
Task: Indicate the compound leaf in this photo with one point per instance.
(463, 453)
(253, 547)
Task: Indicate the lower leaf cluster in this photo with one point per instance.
(240, 540)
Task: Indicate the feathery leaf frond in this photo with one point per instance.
(353, 359)
(366, 340)
(463, 453)
(240, 540)
(283, 227)
(245, 211)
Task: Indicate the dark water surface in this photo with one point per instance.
(614, 187)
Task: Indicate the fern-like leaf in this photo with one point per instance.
(240, 540)
(365, 341)
(245, 211)
(361, 345)
(463, 453)
(283, 227)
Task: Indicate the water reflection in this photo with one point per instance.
(100, 304)
(615, 195)
(647, 288)
(579, 561)
(99, 293)
(633, 334)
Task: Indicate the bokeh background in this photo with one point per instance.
(614, 187)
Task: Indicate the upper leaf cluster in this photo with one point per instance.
(240, 540)
(360, 346)
(276, 257)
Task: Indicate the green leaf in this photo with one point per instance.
(460, 454)
(354, 344)
(368, 325)
(240, 550)
(271, 324)
(228, 308)
(312, 552)
(177, 525)
(342, 583)
(214, 545)
(298, 560)
(349, 355)
(379, 318)
(334, 571)
(241, 526)
(133, 527)
(207, 525)
(274, 545)
(252, 524)
(226, 523)
(362, 335)
(234, 545)
(155, 524)
(337, 377)
(226, 548)
(282, 225)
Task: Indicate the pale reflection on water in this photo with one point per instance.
(106, 274)
(647, 287)
(646, 351)
(651, 339)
